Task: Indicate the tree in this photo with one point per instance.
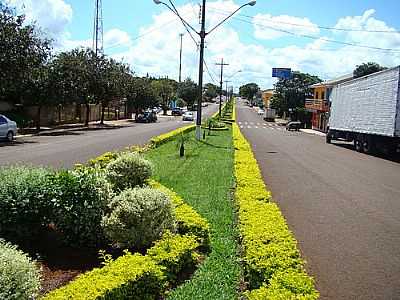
(164, 89)
(366, 69)
(249, 90)
(140, 93)
(187, 90)
(292, 93)
(211, 91)
(22, 51)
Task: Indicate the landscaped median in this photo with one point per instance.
(271, 259)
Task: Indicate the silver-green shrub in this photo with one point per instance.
(128, 170)
(19, 276)
(138, 217)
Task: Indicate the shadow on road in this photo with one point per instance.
(16, 143)
(394, 158)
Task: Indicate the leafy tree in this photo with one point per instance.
(140, 93)
(22, 51)
(164, 89)
(249, 90)
(366, 69)
(211, 91)
(188, 91)
(292, 93)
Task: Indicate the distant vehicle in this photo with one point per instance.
(270, 115)
(176, 111)
(156, 110)
(366, 111)
(188, 116)
(293, 125)
(147, 117)
(260, 111)
(8, 128)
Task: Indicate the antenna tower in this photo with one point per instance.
(98, 27)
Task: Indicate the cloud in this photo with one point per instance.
(52, 16)
(263, 24)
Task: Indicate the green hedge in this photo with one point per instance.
(272, 262)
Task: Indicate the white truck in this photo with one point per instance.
(366, 111)
(270, 114)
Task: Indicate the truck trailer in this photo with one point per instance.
(366, 111)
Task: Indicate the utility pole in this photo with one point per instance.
(226, 86)
(180, 60)
(201, 70)
(222, 64)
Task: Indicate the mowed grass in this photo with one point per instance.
(204, 178)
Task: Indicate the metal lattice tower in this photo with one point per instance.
(98, 27)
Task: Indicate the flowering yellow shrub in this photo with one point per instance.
(163, 138)
(271, 259)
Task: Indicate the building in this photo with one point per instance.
(266, 97)
(319, 105)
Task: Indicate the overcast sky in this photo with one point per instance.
(317, 37)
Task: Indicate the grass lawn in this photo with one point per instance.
(204, 178)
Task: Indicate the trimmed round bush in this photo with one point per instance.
(19, 276)
(82, 199)
(139, 217)
(128, 170)
(26, 195)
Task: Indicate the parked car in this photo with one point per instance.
(147, 117)
(293, 125)
(8, 128)
(176, 111)
(188, 116)
(260, 111)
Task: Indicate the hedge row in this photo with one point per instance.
(272, 262)
(134, 276)
(162, 139)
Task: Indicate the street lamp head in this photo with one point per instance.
(251, 3)
(157, 1)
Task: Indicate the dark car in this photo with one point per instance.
(147, 117)
(293, 125)
(176, 112)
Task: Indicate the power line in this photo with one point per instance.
(317, 38)
(320, 26)
(208, 72)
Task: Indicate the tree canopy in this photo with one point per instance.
(292, 93)
(366, 69)
(188, 91)
(249, 90)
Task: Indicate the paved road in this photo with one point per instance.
(343, 206)
(79, 146)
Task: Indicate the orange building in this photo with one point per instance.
(266, 97)
(319, 105)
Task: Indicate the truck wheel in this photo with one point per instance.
(368, 145)
(358, 144)
(328, 138)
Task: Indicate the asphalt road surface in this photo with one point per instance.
(73, 147)
(343, 207)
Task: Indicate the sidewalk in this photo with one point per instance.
(114, 124)
(312, 131)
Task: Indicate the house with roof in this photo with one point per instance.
(319, 105)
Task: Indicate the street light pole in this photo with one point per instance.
(222, 64)
(201, 70)
(180, 60)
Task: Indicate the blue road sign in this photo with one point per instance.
(283, 73)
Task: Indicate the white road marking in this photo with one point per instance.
(256, 127)
(248, 127)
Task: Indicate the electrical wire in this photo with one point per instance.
(318, 26)
(314, 37)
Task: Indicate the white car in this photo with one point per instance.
(260, 111)
(8, 128)
(188, 116)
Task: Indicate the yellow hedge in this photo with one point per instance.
(163, 138)
(189, 221)
(271, 259)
